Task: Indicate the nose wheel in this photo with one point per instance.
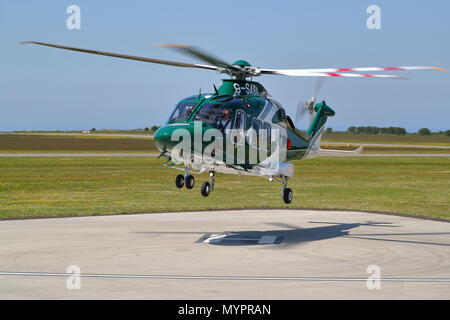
(179, 181)
(185, 179)
(190, 182)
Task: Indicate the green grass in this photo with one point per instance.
(12, 143)
(42, 187)
(415, 139)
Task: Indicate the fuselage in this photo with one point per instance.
(246, 118)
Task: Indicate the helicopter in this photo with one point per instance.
(239, 128)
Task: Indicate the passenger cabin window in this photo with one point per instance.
(239, 122)
(267, 136)
(257, 125)
(239, 125)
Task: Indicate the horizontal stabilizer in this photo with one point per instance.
(344, 153)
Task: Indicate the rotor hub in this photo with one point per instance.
(242, 63)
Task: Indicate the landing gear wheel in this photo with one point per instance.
(179, 181)
(190, 181)
(206, 189)
(288, 195)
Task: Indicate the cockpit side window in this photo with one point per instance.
(217, 115)
(182, 111)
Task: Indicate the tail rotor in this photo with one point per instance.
(307, 107)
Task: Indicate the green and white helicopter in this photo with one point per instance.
(251, 133)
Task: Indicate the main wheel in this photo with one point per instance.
(206, 189)
(190, 181)
(179, 181)
(288, 195)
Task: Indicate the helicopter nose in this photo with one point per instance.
(168, 136)
(162, 138)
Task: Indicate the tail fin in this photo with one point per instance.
(317, 127)
(322, 113)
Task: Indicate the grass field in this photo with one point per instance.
(38, 187)
(11, 143)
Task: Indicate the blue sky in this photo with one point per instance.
(45, 88)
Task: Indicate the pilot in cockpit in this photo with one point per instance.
(188, 110)
(224, 122)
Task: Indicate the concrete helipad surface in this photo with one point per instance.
(249, 254)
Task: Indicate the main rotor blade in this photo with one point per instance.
(358, 69)
(196, 53)
(331, 71)
(295, 73)
(124, 56)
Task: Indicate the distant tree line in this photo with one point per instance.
(376, 130)
(427, 132)
(390, 130)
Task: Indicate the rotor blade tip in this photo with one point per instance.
(437, 68)
(26, 42)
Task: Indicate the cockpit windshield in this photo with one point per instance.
(182, 111)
